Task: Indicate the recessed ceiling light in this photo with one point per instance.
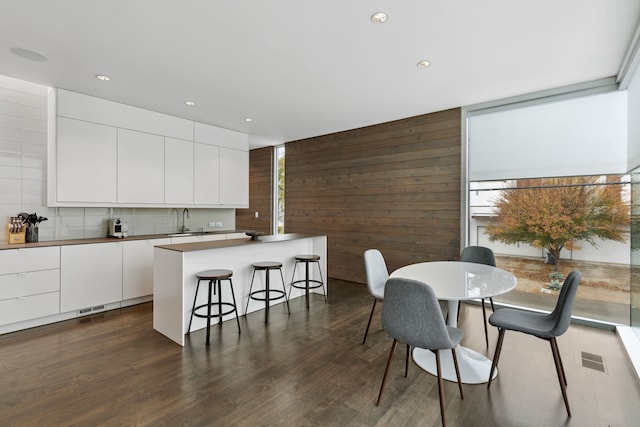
(379, 18)
(29, 54)
(423, 64)
(103, 77)
(189, 103)
(248, 120)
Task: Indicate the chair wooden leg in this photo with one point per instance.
(560, 371)
(564, 376)
(496, 355)
(455, 364)
(484, 322)
(384, 378)
(406, 362)
(366, 331)
(440, 387)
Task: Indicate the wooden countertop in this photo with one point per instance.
(68, 242)
(230, 243)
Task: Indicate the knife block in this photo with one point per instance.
(15, 237)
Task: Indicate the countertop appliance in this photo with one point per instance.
(117, 228)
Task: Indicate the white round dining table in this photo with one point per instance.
(455, 281)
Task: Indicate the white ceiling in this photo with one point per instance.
(307, 68)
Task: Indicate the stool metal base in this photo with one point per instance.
(307, 282)
(267, 294)
(215, 278)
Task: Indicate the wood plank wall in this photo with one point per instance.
(260, 191)
(393, 186)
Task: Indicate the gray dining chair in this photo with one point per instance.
(545, 326)
(480, 255)
(377, 275)
(411, 314)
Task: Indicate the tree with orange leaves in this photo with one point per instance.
(556, 213)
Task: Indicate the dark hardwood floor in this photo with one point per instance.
(306, 369)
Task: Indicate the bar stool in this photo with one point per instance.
(215, 277)
(307, 259)
(267, 294)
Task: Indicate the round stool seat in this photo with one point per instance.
(307, 258)
(267, 265)
(218, 274)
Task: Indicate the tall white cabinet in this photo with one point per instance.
(86, 153)
(102, 153)
(140, 167)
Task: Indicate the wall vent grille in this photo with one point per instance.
(593, 361)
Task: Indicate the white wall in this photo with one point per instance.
(23, 182)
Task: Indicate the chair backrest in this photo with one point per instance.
(411, 314)
(561, 314)
(479, 255)
(377, 273)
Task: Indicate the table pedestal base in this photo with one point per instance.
(474, 367)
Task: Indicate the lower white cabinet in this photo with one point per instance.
(137, 267)
(90, 275)
(29, 284)
(30, 307)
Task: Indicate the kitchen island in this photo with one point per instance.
(175, 267)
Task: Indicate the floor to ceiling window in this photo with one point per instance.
(278, 193)
(548, 193)
(635, 251)
(541, 229)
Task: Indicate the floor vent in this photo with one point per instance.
(593, 361)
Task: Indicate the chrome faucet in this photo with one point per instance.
(184, 225)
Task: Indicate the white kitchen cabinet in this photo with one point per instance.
(206, 174)
(220, 137)
(178, 171)
(97, 110)
(29, 284)
(86, 162)
(137, 267)
(140, 167)
(29, 259)
(234, 177)
(90, 275)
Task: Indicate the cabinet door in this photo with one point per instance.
(206, 174)
(140, 167)
(86, 162)
(234, 177)
(137, 267)
(90, 275)
(178, 171)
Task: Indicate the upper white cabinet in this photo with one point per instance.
(140, 167)
(178, 171)
(212, 135)
(207, 174)
(97, 110)
(233, 164)
(102, 153)
(86, 162)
